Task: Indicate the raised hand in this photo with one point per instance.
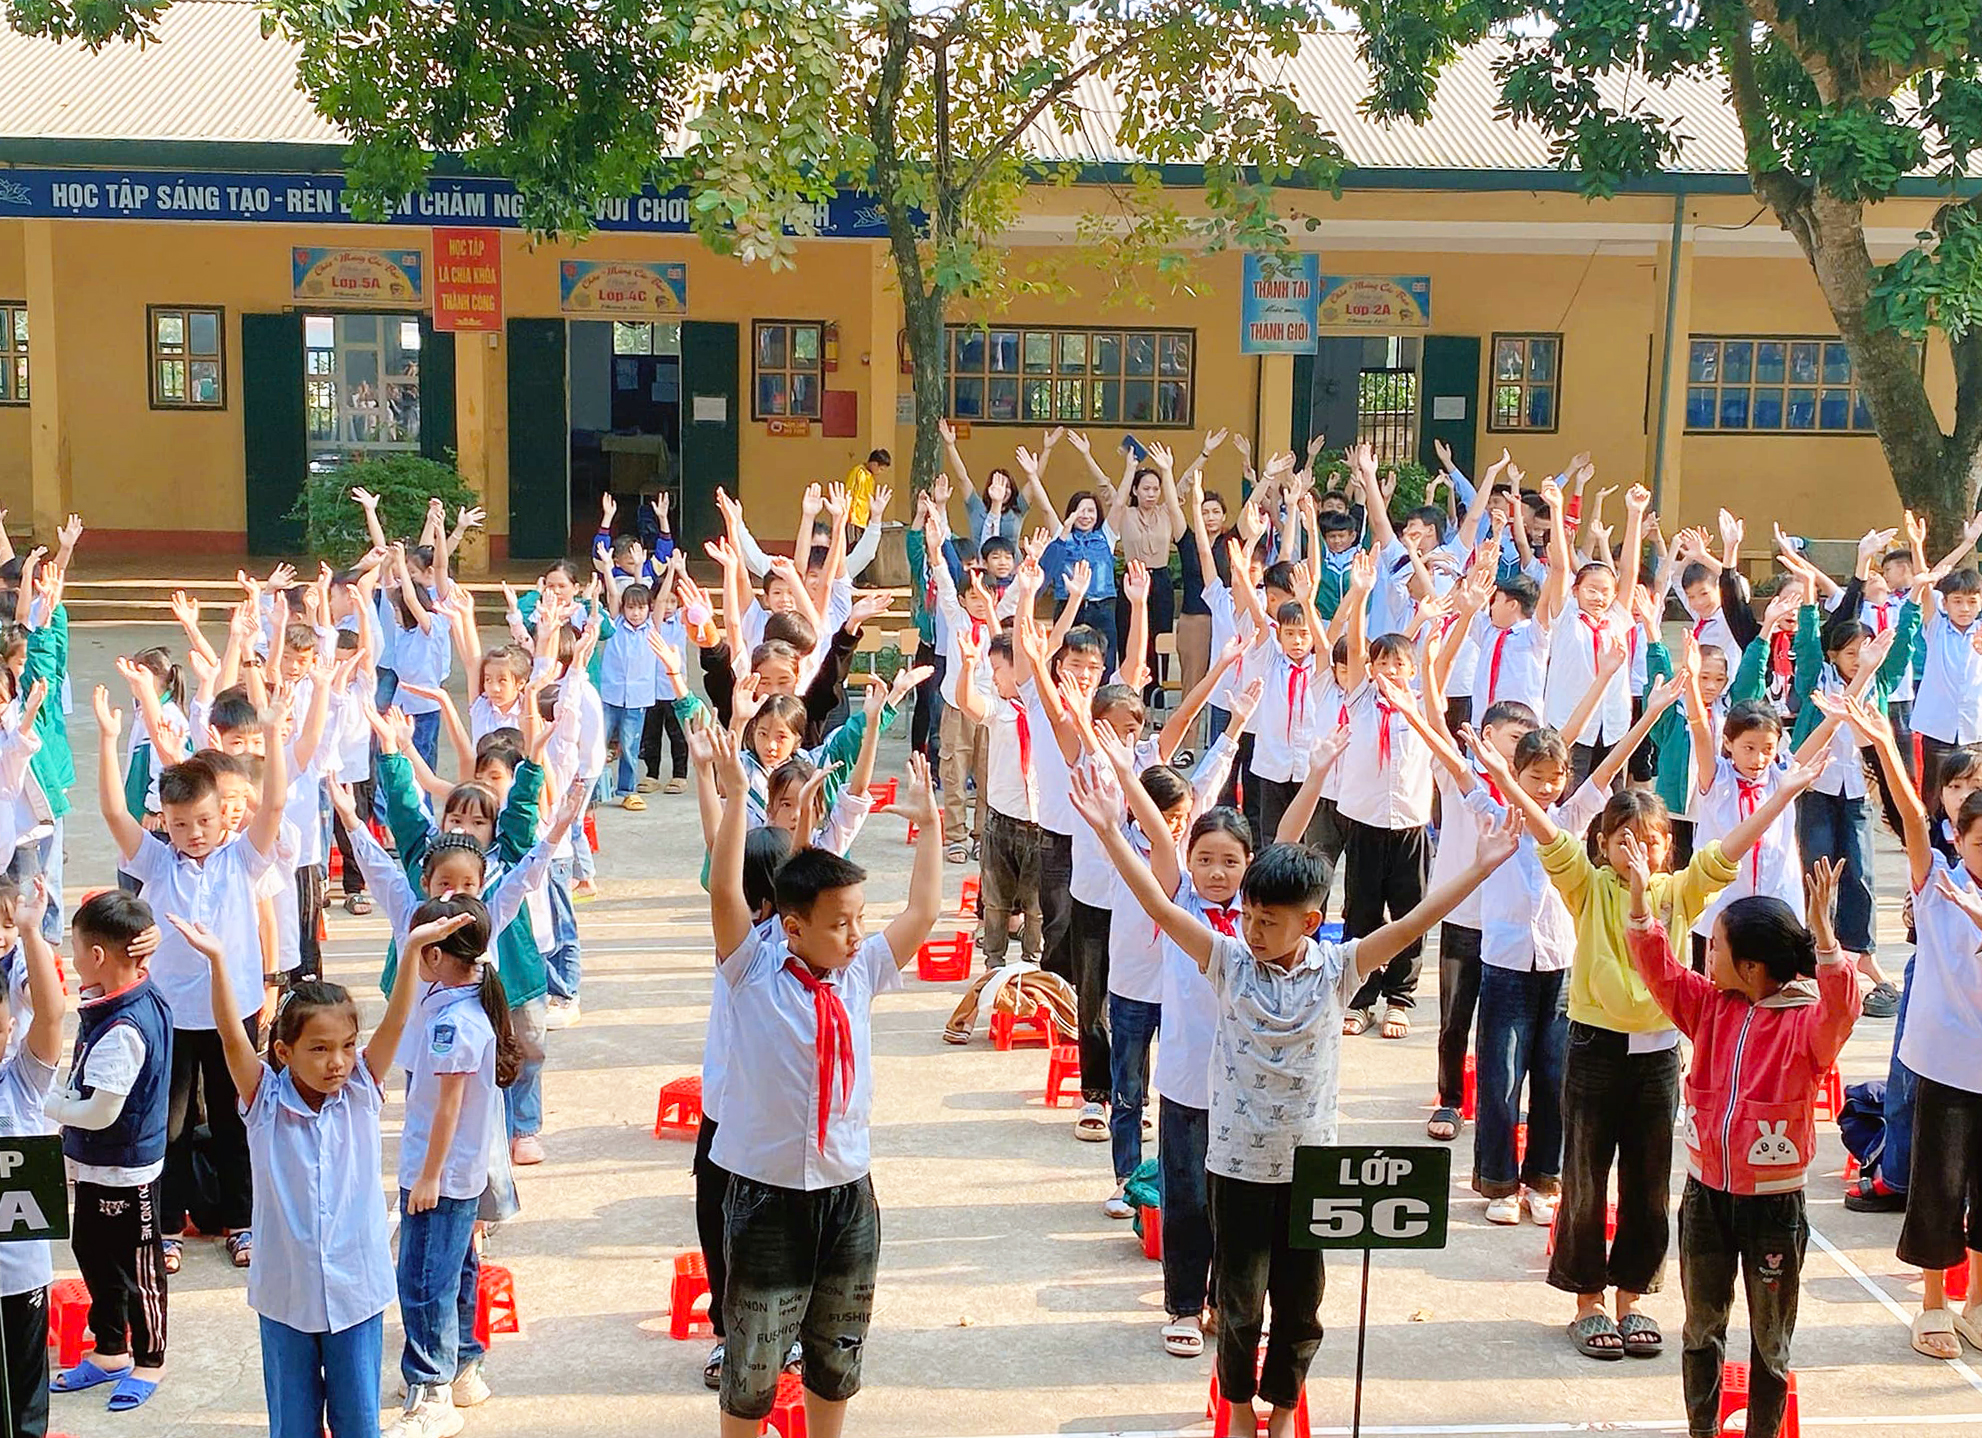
(109, 721)
(1820, 902)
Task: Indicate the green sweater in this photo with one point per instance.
(1808, 649)
(54, 765)
(518, 960)
(1674, 779)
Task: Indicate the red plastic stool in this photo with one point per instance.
(1850, 1169)
(1830, 1097)
(1220, 1412)
(335, 869)
(788, 1409)
(68, 1321)
(941, 961)
(1062, 1063)
(591, 833)
(1152, 1232)
(972, 889)
(1955, 1281)
(1734, 1399)
(1470, 1103)
(686, 1311)
(1520, 1143)
(495, 1303)
(884, 791)
(680, 1110)
(1609, 1226)
(914, 833)
(1034, 1030)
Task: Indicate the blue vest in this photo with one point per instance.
(138, 1136)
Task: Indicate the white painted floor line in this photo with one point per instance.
(1886, 1300)
(1918, 1422)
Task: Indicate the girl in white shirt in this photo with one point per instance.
(322, 1276)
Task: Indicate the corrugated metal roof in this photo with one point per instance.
(212, 77)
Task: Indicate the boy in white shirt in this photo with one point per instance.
(1010, 844)
(1947, 702)
(1298, 700)
(966, 619)
(801, 1225)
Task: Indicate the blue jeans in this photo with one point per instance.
(562, 963)
(523, 1100)
(1131, 1026)
(1523, 1035)
(1829, 826)
(51, 868)
(1901, 1084)
(1099, 615)
(426, 738)
(438, 1273)
(1181, 1135)
(583, 862)
(315, 1381)
(626, 725)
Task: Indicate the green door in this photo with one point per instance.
(539, 441)
(711, 383)
(272, 429)
(1449, 399)
(436, 392)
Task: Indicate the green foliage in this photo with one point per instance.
(1332, 472)
(333, 523)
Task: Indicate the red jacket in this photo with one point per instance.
(1746, 1117)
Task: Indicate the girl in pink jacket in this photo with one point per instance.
(1767, 1021)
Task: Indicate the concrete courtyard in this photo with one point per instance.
(1008, 1304)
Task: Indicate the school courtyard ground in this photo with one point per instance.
(1008, 1304)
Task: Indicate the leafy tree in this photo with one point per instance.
(764, 108)
(334, 527)
(1838, 101)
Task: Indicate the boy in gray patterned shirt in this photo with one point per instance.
(1274, 1062)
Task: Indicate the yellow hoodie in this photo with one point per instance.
(1604, 989)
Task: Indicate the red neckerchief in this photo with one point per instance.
(1747, 794)
(1700, 624)
(1493, 670)
(1385, 712)
(1297, 683)
(977, 628)
(1880, 619)
(1596, 628)
(1226, 921)
(833, 1042)
(1492, 788)
(1779, 654)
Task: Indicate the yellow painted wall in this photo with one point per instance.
(14, 459)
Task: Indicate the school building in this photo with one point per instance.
(190, 321)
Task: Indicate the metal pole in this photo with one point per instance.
(1362, 1342)
(1665, 355)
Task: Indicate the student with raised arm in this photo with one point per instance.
(802, 1229)
(1274, 1064)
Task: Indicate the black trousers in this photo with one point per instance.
(1384, 879)
(1944, 1186)
(1932, 752)
(662, 729)
(1056, 903)
(1458, 996)
(1251, 1261)
(1009, 868)
(926, 719)
(199, 1071)
(24, 1321)
(354, 878)
(711, 1188)
(1089, 951)
(1763, 1236)
(312, 880)
(1617, 1107)
(120, 1249)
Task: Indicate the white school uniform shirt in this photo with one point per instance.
(1524, 925)
(349, 738)
(1947, 704)
(1879, 618)
(323, 1249)
(1292, 705)
(1774, 865)
(1226, 622)
(1190, 1011)
(1572, 668)
(1276, 1052)
(1510, 665)
(1093, 880)
(1465, 662)
(1458, 842)
(1713, 630)
(769, 1131)
(1384, 787)
(20, 1000)
(1844, 768)
(25, 1082)
(172, 720)
(1943, 1038)
(484, 718)
(1135, 941)
(220, 893)
(957, 622)
(23, 807)
(450, 1034)
(1009, 786)
(1052, 782)
(424, 657)
(302, 806)
(630, 674)
(716, 1039)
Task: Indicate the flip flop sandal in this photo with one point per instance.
(131, 1393)
(1927, 1323)
(358, 904)
(174, 1255)
(1358, 1021)
(1183, 1339)
(1449, 1117)
(1585, 1332)
(241, 1247)
(1641, 1335)
(85, 1375)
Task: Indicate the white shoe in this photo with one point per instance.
(430, 1413)
(470, 1388)
(1116, 1205)
(1504, 1210)
(1541, 1206)
(560, 1013)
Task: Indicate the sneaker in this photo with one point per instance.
(526, 1150)
(560, 1013)
(712, 1371)
(1868, 1195)
(1116, 1205)
(795, 1357)
(430, 1413)
(470, 1388)
(1541, 1206)
(1882, 1002)
(1504, 1210)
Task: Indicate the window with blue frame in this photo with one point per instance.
(1773, 384)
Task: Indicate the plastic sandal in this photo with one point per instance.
(174, 1255)
(1968, 1325)
(85, 1375)
(1182, 1338)
(1092, 1125)
(1448, 1117)
(1927, 1323)
(358, 904)
(1358, 1021)
(131, 1393)
(1585, 1332)
(241, 1247)
(1396, 1022)
(1641, 1335)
